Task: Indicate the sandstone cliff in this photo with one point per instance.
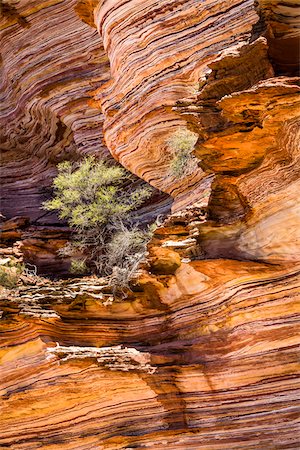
(204, 352)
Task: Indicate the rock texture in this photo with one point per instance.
(210, 360)
(281, 20)
(51, 62)
(48, 69)
(157, 56)
(203, 353)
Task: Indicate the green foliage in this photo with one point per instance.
(9, 277)
(182, 144)
(10, 272)
(89, 195)
(92, 198)
(78, 267)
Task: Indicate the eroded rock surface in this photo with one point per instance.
(204, 352)
(214, 362)
(48, 69)
(51, 63)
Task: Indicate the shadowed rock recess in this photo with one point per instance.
(203, 354)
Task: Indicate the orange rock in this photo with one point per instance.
(203, 353)
(164, 261)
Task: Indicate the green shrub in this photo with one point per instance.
(78, 267)
(88, 195)
(92, 197)
(8, 277)
(182, 144)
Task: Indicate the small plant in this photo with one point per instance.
(92, 197)
(125, 252)
(9, 277)
(89, 194)
(10, 271)
(125, 244)
(78, 267)
(182, 144)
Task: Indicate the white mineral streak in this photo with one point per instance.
(113, 358)
(180, 244)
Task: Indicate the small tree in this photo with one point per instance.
(182, 144)
(10, 273)
(8, 277)
(92, 198)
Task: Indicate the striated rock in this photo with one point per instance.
(114, 358)
(248, 207)
(48, 70)
(281, 20)
(223, 353)
(10, 230)
(203, 353)
(38, 246)
(155, 64)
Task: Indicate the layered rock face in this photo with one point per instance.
(281, 19)
(51, 63)
(207, 358)
(204, 352)
(217, 80)
(157, 57)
